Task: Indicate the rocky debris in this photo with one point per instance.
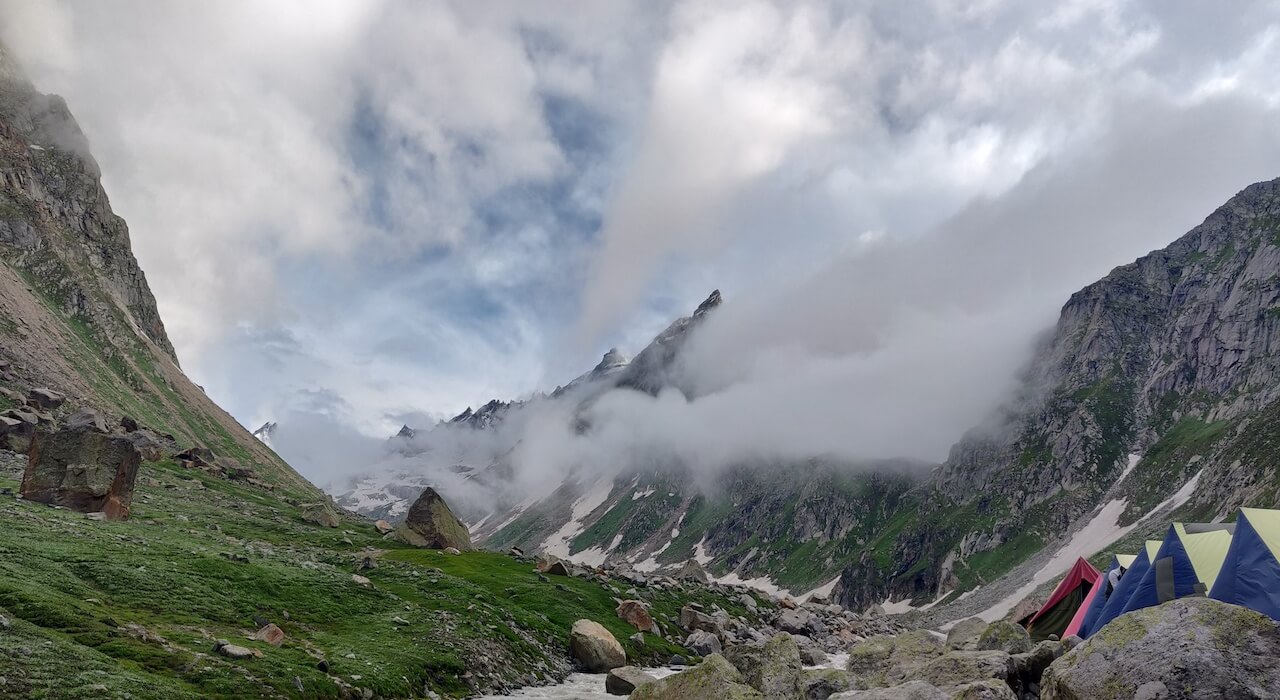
(320, 513)
(595, 648)
(1187, 648)
(911, 690)
(702, 643)
(713, 679)
(625, 679)
(383, 527)
(1005, 636)
(82, 469)
(692, 618)
(271, 634)
(822, 683)
(958, 668)
(810, 653)
(793, 621)
(44, 399)
(635, 613)
(963, 635)
(1029, 667)
(128, 424)
(885, 659)
(431, 524)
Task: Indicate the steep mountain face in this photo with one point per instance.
(76, 314)
(1172, 359)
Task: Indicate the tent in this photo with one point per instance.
(1119, 562)
(1250, 574)
(1186, 564)
(1120, 596)
(1064, 611)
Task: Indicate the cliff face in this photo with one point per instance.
(1173, 359)
(76, 313)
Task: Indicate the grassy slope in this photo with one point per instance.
(201, 557)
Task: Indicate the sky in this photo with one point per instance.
(359, 214)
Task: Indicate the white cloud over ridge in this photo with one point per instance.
(372, 211)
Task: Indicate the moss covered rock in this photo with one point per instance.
(884, 659)
(963, 636)
(1005, 636)
(1188, 648)
(822, 683)
(713, 679)
(430, 523)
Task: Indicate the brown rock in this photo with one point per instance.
(595, 647)
(383, 526)
(44, 399)
(271, 634)
(634, 612)
(83, 470)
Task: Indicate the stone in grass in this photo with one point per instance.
(321, 514)
(234, 651)
(595, 647)
(83, 470)
(431, 524)
(635, 613)
(625, 679)
(271, 634)
(713, 679)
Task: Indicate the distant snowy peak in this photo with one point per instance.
(265, 432)
(486, 416)
(612, 361)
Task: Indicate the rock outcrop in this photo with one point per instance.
(430, 523)
(595, 647)
(82, 469)
(1186, 649)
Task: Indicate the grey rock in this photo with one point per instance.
(1005, 636)
(595, 647)
(83, 470)
(1187, 648)
(713, 679)
(702, 643)
(430, 523)
(963, 636)
(911, 690)
(625, 679)
(822, 683)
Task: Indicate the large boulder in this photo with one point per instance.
(692, 571)
(625, 679)
(82, 469)
(595, 647)
(778, 673)
(44, 399)
(793, 621)
(1187, 648)
(692, 618)
(713, 679)
(431, 524)
(17, 430)
(963, 635)
(1002, 635)
(880, 659)
(86, 418)
(635, 613)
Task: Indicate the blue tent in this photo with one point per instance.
(1250, 574)
(1186, 564)
(1120, 562)
(1120, 596)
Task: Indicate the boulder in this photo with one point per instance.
(83, 470)
(635, 613)
(147, 443)
(960, 667)
(233, 651)
(625, 679)
(702, 643)
(383, 527)
(984, 690)
(692, 571)
(431, 524)
(713, 679)
(559, 568)
(1186, 648)
(271, 634)
(748, 601)
(85, 418)
(810, 653)
(963, 635)
(912, 690)
(692, 619)
(793, 621)
(822, 683)
(320, 513)
(1005, 636)
(44, 399)
(1029, 667)
(878, 659)
(361, 581)
(777, 675)
(595, 647)
(16, 434)
(128, 424)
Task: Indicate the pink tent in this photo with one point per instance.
(1064, 612)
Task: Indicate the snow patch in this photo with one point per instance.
(642, 494)
(902, 606)
(823, 590)
(700, 553)
(1133, 462)
(557, 543)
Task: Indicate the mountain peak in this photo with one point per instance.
(711, 302)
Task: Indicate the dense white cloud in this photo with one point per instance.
(364, 211)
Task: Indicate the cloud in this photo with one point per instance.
(407, 208)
